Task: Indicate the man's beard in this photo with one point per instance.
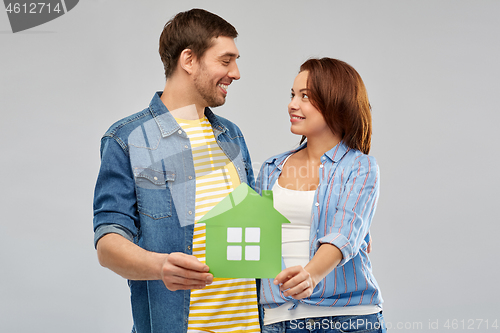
(208, 92)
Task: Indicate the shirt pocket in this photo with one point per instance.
(153, 192)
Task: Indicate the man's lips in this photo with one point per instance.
(223, 87)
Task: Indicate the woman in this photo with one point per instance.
(327, 283)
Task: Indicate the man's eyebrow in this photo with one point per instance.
(229, 54)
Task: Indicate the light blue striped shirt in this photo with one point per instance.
(342, 212)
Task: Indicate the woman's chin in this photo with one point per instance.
(295, 131)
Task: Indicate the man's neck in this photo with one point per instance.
(179, 102)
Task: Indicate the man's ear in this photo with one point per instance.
(187, 60)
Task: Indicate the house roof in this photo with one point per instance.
(245, 206)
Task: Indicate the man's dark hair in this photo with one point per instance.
(194, 30)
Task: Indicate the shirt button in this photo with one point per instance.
(316, 204)
(155, 178)
(321, 166)
(186, 146)
(190, 177)
(190, 213)
(180, 132)
(189, 247)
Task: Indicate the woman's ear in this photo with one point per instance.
(187, 60)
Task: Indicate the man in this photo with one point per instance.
(161, 170)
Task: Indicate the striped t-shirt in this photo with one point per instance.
(227, 305)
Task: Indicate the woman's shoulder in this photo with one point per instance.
(357, 161)
(362, 157)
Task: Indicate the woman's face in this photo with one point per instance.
(304, 117)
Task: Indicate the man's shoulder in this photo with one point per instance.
(124, 126)
(229, 124)
(215, 119)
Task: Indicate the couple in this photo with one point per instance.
(163, 168)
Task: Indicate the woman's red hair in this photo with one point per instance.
(338, 92)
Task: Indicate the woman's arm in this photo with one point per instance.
(348, 226)
(347, 223)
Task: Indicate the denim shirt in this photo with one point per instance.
(145, 192)
(341, 215)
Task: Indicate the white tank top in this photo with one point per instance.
(296, 207)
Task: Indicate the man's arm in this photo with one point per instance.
(115, 211)
(178, 271)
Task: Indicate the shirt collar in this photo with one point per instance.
(217, 126)
(166, 122)
(335, 154)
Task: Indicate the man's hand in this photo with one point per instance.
(178, 271)
(295, 282)
(181, 271)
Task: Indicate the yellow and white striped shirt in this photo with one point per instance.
(227, 305)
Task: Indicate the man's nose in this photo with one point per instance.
(235, 72)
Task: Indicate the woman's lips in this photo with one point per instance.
(295, 118)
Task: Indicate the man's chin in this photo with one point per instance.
(215, 104)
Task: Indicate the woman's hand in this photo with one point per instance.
(295, 282)
(298, 282)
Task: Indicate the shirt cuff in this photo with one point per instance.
(342, 243)
(105, 229)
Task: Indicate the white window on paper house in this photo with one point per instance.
(235, 244)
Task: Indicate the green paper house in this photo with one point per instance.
(243, 235)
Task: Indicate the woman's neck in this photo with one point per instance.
(316, 147)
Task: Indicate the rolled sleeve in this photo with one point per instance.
(115, 205)
(105, 229)
(342, 243)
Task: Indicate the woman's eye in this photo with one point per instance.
(292, 95)
(305, 96)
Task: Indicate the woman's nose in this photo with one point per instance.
(293, 105)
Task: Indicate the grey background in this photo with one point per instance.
(432, 73)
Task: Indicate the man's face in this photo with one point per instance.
(215, 71)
